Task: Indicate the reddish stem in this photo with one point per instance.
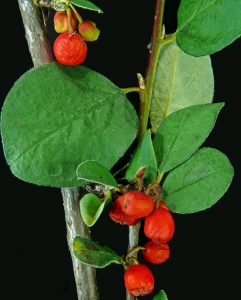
(155, 31)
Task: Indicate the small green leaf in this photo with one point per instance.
(86, 5)
(205, 27)
(198, 183)
(94, 254)
(181, 80)
(160, 296)
(91, 208)
(182, 133)
(95, 172)
(56, 117)
(144, 156)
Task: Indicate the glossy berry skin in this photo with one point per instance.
(61, 21)
(159, 226)
(137, 204)
(118, 216)
(156, 253)
(139, 280)
(70, 50)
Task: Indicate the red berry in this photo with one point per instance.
(163, 205)
(70, 50)
(139, 280)
(156, 253)
(137, 204)
(61, 21)
(159, 225)
(118, 216)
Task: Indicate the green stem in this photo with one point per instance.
(145, 108)
(151, 68)
(132, 251)
(69, 14)
(76, 13)
(132, 89)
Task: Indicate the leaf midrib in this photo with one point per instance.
(194, 16)
(171, 150)
(90, 110)
(170, 98)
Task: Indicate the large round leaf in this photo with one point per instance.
(55, 117)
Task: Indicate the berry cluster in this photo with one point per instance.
(70, 47)
(159, 227)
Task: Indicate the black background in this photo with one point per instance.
(205, 249)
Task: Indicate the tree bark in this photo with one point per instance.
(84, 274)
(35, 33)
(40, 50)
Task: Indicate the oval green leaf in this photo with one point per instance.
(144, 156)
(205, 27)
(95, 172)
(94, 254)
(56, 117)
(180, 81)
(91, 208)
(86, 5)
(160, 296)
(182, 133)
(198, 183)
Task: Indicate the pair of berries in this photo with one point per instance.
(130, 207)
(70, 47)
(159, 227)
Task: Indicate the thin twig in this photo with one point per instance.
(151, 68)
(133, 242)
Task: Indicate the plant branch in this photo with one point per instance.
(35, 33)
(40, 50)
(151, 68)
(145, 99)
(133, 242)
(84, 275)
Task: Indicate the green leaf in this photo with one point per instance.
(91, 208)
(144, 156)
(182, 133)
(94, 254)
(95, 172)
(205, 27)
(160, 296)
(181, 80)
(86, 5)
(56, 117)
(198, 183)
